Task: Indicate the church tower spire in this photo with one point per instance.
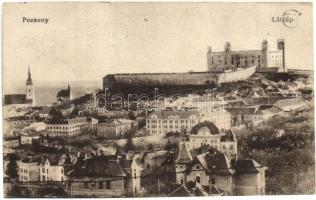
(30, 88)
(29, 78)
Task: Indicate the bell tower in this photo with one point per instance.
(30, 89)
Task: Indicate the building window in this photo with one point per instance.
(86, 185)
(108, 185)
(100, 185)
(198, 179)
(213, 180)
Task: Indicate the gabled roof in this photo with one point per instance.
(215, 163)
(99, 166)
(210, 125)
(228, 137)
(56, 159)
(184, 155)
(180, 191)
(45, 110)
(248, 166)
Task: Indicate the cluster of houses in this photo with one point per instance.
(205, 161)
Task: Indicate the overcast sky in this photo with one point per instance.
(85, 41)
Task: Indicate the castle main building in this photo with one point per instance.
(223, 67)
(263, 58)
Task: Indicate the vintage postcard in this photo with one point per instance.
(164, 99)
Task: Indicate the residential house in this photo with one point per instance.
(11, 143)
(133, 169)
(221, 118)
(28, 169)
(152, 160)
(246, 115)
(209, 167)
(44, 113)
(114, 128)
(54, 167)
(28, 138)
(98, 176)
(19, 122)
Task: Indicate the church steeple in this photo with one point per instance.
(29, 78)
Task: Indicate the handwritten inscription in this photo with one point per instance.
(289, 18)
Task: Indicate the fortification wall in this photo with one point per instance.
(194, 78)
(235, 76)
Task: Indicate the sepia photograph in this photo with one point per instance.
(157, 99)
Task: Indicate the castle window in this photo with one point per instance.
(213, 180)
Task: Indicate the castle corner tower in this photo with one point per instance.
(30, 89)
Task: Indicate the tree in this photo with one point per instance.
(12, 168)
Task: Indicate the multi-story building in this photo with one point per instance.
(115, 128)
(209, 167)
(220, 117)
(105, 176)
(263, 58)
(11, 143)
(206, 133)
(66, 127)
(28, 138)
(161, 122)
(28, 170)
(54, 167)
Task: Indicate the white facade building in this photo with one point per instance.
(161, 122)
(28, 171)
(67, 127)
